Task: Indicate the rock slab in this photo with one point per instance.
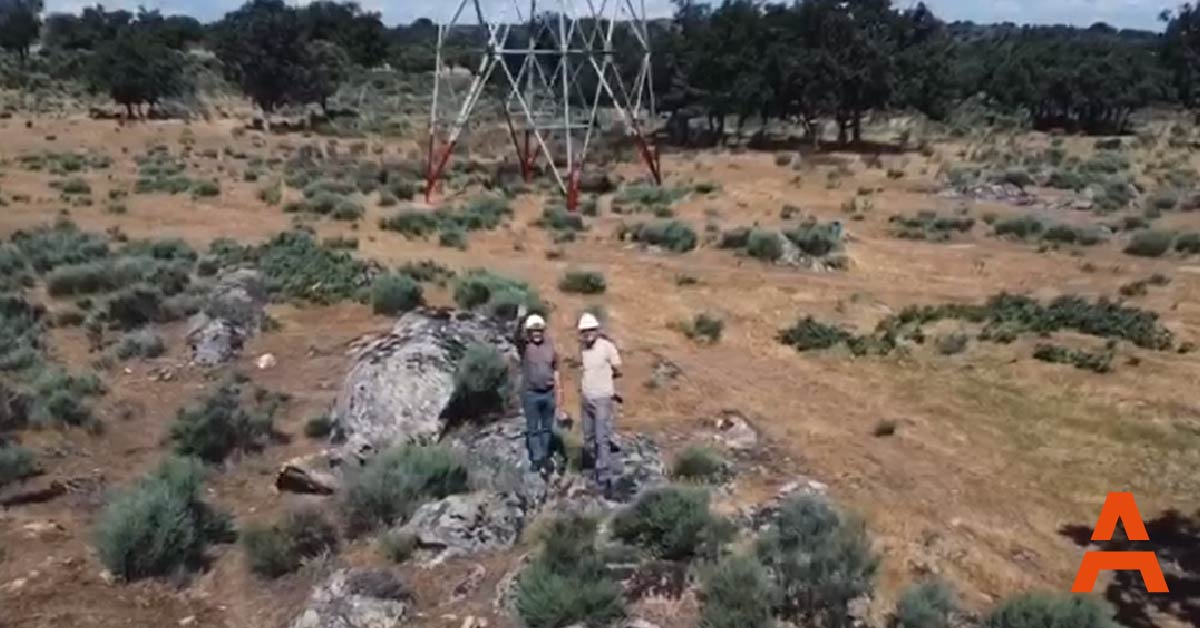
(357, 598)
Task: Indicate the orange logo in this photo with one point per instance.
(1120, 506)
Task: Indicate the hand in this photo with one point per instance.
(522, 310)
(618, 398)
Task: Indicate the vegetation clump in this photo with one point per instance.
(567, 581)
(672, 235)
(495, 294)
(393, 484)
(929, 225)
(582, 282)
(394, 294)
(280, 549)
(220, 425)
(673, 522)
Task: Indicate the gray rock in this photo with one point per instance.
(471, 523)
(312, 475)
(401, 387)
(233, 313)
(357, 598)
(733, 430)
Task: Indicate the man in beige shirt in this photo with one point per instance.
(601, 366)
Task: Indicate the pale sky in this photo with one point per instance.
(1120, 13)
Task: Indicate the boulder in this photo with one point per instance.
(357, 598)
(233, 313)
(400, 389)
(311, 475)
(734, 432)
(471, 523)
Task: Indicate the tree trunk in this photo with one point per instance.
(129, 110)
(856, 124)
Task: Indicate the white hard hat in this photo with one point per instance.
(588, 322)
(535, 322)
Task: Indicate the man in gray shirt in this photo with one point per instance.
(541, 395)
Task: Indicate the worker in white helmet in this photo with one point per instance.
(601, 367)
(541, 394)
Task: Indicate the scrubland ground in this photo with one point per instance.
(994, 457)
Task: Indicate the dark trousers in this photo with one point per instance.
(539, 424)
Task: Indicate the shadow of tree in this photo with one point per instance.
(1175, 539)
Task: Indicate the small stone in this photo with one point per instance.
(265, 361)
(187, 621)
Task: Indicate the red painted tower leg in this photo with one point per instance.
(435, 173)
(651, 160)
(573, 190)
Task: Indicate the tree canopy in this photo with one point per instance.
(137, 67)
(20, 23)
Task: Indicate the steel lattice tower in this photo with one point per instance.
(559, 82)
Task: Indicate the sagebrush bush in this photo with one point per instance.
(808, 334)
(1020, 227)
(60, 398)
(1049, 610)
(296, 266)
(142, 343)
(673, 235)
(705, 327)
(453, 238)
(205, 189)
(673, 522)
(820, 558)
(930, 604)
(700, 464)
(398, 547)
(817, 240)
(220, 426)
(1188, 243)
(393, 294)
(582, 282)
(1150, 243)
(737, 593)
(735, 238)
(500, 296)
(21, 327)
(557, 218)
(482, 383)
(318, 426)
(48, 247)
(75, 185)
(567, 582)
(159, 526)
(16, 463)
(764, 245)
(279, 549)
(393, 484)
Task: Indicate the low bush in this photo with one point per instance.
(930, 604)
(700, 464)
(1022, 227)
(482, 384)
(673, 522)
(398, 547)
(703, 327)
(735, 238)
(820, 559)
(673, 235)
(453, 238)
(75, 186)
(296, 266)
(1097, 362)
(60, 398)
(394, 294)
(159, 526)
(220, 426)
(764, 245)
(496, 294)
(809, 334)
(393, 484)
(346, 210)
(1049, 610)
(817, 240)
(567, 582)
(412, 223)
(557, 218)
(425, 271)
(318, 426)
(1149, 243)
(16, 463)
(1163, 200)
(737, 593)
(1188, 243)
(277, 550)
(582, 282)
(142, 343)
(205, 189)
(46, 248)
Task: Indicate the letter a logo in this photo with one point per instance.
(1120, 506)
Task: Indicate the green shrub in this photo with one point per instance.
(60, 398)
(1022, 227)
(500, 296)
(269, 552)
(764, 245)
(160, 526)
(220, 426)
(582, 282)
(1149, 243)
(425, 271)
(557, 218)
(672, 235)
(930, 604)
(165, 249)
(454, 238)
(142, 343)
(1049, 610)
(737, 593)
(21, 326)
(808, 334)
(1188, 243)
(318, 427)
(567, 582)
(1163, 200)
(1065, 179)
(346, 210)
(296, 266)
(817, 240)
(75, 186)
(16, 463)
(398, 547)
(412, 223)
(482, 384)
(700, 464)
(1098, 362)
(735, 238)
(46, 248)
(1014, 176)
(393, 294)
(205, 189)
(673, 522)
(820, 558)
(393, 484)
(703, 327)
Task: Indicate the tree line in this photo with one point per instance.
(808, 62)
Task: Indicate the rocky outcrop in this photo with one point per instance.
(234, 312)
(357, 598)
(402, 384)
(467, 524)
(319, 474)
